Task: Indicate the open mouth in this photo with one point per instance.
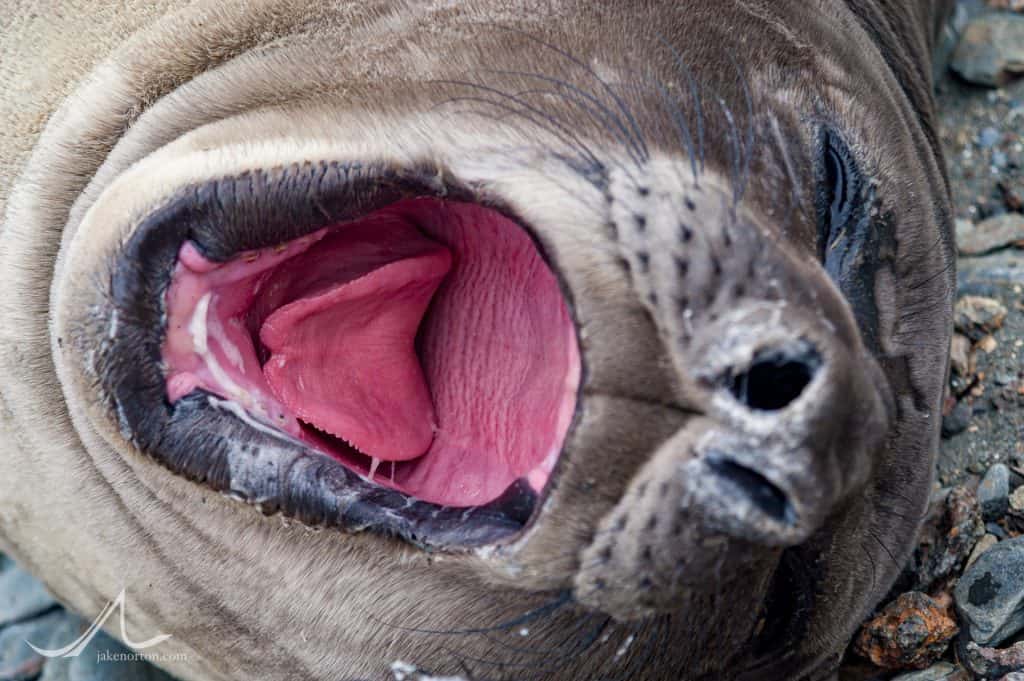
(426, 346)
(360, 346)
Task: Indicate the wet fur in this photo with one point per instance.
(251, 596)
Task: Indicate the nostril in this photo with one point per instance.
(765, 495)
(775, 378)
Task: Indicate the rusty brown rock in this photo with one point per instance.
(954, 525)
(912, 632)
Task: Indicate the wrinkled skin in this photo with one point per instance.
(672, 177)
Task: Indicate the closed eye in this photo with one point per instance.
(856, 234)
(839, 189)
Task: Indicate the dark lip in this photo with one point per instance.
(201, 439)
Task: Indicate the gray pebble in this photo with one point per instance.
(996, 530)
(956, 421)
(991, 50)
(989, 137)
(1017, 499)
(994, 492)
(990, 594)
(17, 659)
(29, 613)
(991, 234)
(21, 595)
(983, 545)
(942, 671)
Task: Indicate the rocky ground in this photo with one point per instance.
(957, 612)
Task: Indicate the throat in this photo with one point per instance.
(340, 337)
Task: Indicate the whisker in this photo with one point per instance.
(684, 130)
(735, 145)
(695, 93)
(749, 152)
(551, 120)
(796, 195)
(608, 116)
(630, 118)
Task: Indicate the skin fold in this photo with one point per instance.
(667, 158)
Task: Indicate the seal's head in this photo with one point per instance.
(596, 342)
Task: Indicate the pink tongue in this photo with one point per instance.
(342, 348)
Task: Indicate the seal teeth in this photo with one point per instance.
(375, 463)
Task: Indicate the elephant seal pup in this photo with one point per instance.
(547, 340)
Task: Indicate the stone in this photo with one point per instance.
(962, 228)
(948, 536)
(1012, 198)
(990, 235)
(957, 420)
(994, 492)
(989, 137)
(961, 356)
(983, 545)
(1016, 500)
(990, 594)
(990, 663)
(912, 632)
(977, 317)
(988, 344)
(1012, 5)
(21, 595)
(18, 661)
(991, 50)
(943, 671)
(996, 530)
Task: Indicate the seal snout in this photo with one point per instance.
(788, 418)
(762, 472)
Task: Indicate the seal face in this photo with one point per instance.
(535, 344)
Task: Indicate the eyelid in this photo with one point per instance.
(839, 185)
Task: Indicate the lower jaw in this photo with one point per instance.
(496, 349)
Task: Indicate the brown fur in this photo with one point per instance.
(110, 110)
